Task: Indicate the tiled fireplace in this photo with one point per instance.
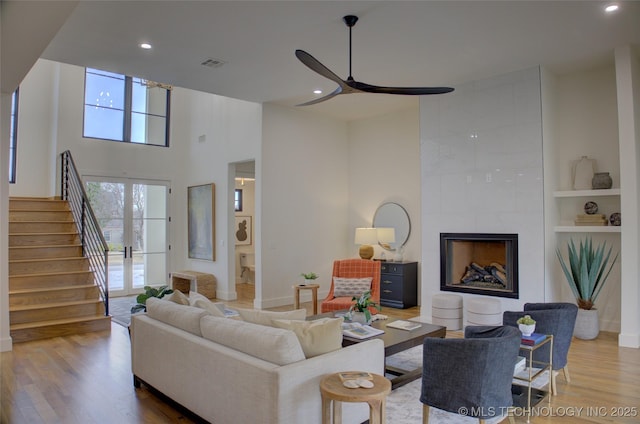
(477, 263)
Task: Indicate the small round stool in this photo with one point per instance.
(482, 311)
(446, 310)
(332, 390)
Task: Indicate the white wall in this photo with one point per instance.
(481, 155)
(384, 166)
(305, 196)
(628, 85)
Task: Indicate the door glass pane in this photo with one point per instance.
(149, 234)
(107, 202)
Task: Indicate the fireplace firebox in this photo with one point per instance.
(479, 263)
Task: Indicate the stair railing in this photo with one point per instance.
(94, 246)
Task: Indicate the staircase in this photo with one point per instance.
(51, 289)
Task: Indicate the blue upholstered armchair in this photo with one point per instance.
(475, 372)
(558, 319)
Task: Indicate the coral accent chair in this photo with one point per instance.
(353, 268)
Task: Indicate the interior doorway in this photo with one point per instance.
(244, 230)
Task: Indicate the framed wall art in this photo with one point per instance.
(201, 221)
(243, 230)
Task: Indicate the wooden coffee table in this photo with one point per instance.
(396, 341)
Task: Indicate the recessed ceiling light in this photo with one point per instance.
(611, 8)
(317, 91)
(145, 46)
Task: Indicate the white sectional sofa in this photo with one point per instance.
(231, 372)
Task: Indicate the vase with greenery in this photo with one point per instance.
(309, 277)
(362, 305)
(149, 291)
(586, 273)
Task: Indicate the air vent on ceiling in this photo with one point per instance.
(213, 63)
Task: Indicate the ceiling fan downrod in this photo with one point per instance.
(350, 20)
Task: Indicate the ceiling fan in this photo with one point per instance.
(350, 85)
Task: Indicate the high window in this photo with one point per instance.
(123, 108)
(13, 137)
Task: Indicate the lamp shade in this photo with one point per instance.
(386, 235)
(366, 236)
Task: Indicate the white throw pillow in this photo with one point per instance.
(274, 345)
(184, 317)
(316, 337)
(199, 301)
(177, 297)
(258, 316)
(350, 287)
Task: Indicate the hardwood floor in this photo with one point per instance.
(87, 379)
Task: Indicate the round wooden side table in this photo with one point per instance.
(332, 390)
(314, 294)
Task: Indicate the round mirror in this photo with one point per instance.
(395, 216)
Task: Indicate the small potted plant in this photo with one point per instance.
(149, 291)
(309, 277)
(527, 325)
(359, 311)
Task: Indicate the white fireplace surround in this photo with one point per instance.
(481, 158)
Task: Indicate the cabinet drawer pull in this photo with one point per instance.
(387, 291)
(387, 282)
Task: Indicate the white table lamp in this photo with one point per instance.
(365, 237)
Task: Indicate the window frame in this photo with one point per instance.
(128, 111)
(238, 200)
(13, 137)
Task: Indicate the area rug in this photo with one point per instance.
(120, 309)
(404, 406)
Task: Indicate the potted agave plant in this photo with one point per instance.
(359, 311)
(586, 273)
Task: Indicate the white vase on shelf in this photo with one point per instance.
(583, 173)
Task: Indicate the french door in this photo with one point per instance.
(133, 216)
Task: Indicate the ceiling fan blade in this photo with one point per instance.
(323, 98)
(409, 91)
(315, 65)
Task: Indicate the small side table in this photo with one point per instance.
(314, 293)
(534, 395)
(332, 390)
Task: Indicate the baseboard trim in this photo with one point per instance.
(629, 340)
(6, 344)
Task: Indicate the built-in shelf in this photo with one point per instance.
(586, 229)
(587, 193)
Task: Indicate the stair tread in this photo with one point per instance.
(65, 233)
(47, 289)
(46, 246)
(69, 258)
(36, 324)
(42, 274)
(53, 305)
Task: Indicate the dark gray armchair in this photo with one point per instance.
(557, 319)
(473, 373)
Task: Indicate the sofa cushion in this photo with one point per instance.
(177, 297)
(275, 345)
(199, 301)
(350, 287)
(184, 317)
(316, 337)
(258, 316)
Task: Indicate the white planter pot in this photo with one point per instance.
(359, 317)
(527, 329)
(587, 326)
